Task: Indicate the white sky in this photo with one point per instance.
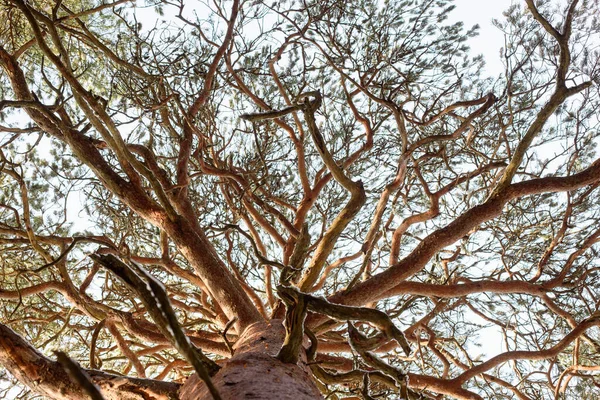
(490, 38)
(488, 43)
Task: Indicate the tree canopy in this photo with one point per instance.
(297, 198)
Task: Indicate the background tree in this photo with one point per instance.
(172, 192)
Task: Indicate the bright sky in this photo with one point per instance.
(488, 43)
(490, 38)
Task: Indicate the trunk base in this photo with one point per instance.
(254, 372)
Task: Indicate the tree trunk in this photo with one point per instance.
(254, 372)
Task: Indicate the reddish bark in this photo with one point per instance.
(48, 378)
(254, 372)
(374, 287)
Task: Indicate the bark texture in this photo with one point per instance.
(255, 373)
(48, 378)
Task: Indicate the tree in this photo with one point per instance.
(297, 199)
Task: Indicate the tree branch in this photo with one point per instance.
(47, 377)
(345, 313)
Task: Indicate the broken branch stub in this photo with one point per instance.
(295, 315)
(154, 297)
(78, 376)
(347, 313)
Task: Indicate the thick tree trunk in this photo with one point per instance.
(254, 372)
